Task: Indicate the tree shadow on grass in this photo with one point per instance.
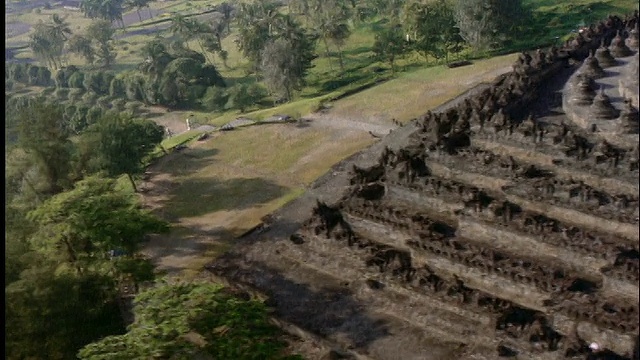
(185, 243)
(200, 196)
(184, 161)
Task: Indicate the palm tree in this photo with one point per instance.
(47, 40)
(330, 18)
(138, 5)
(104, 9)
(337, 33)
(41, 46)
(182, 27)
(59, 27)
(226, 10)
(81, 45)
(156, 59)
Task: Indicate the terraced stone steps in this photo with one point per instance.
(625, 181)
(388, 283)
(474, 227)
(619, 343)
(589, 265)
(425, 317)
(418, 196)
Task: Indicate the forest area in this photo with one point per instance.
(80, 132)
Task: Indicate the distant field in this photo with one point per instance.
(411, 93)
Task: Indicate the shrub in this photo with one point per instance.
(133, 107)
(104, 102)
(76, 80)
(214, 99)
(89, 98)
(61, 94)
(75, 94)
(118, 104)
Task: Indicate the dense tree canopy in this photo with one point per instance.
(390, 44)
(82, 225)
(487, 23)
(187, 320)
(62, 293)
(431, 28)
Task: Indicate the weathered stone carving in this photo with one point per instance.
(605, 59)
(629, 119)
(602, 107)
(632, 40)
(584, 90)
(619, 48)
(592, 68)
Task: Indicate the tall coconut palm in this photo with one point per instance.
(156, 58)
(48, 39)
(103, 9)
(227, 10)
(183, 28)
(138, 5)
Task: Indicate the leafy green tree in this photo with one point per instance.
(17, 72)
(101, 33)
(37, 75)
(81, 45)
(122, 144)
(62, 76)
(44, 77)
(76, 80)
(44, 136)
(239, 98)
(47, 313)
(214, 99)
(191, 320)
(390, 44)
(178, 78)
(65, 294)
(79, 227)
(93, 81)
(156, 58)
(134, 86)
(209, 76)
(431, 28)
(488, 23)
(47, 40)
(117, 88)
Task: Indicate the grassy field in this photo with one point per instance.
(408, 95)
(216, 190)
